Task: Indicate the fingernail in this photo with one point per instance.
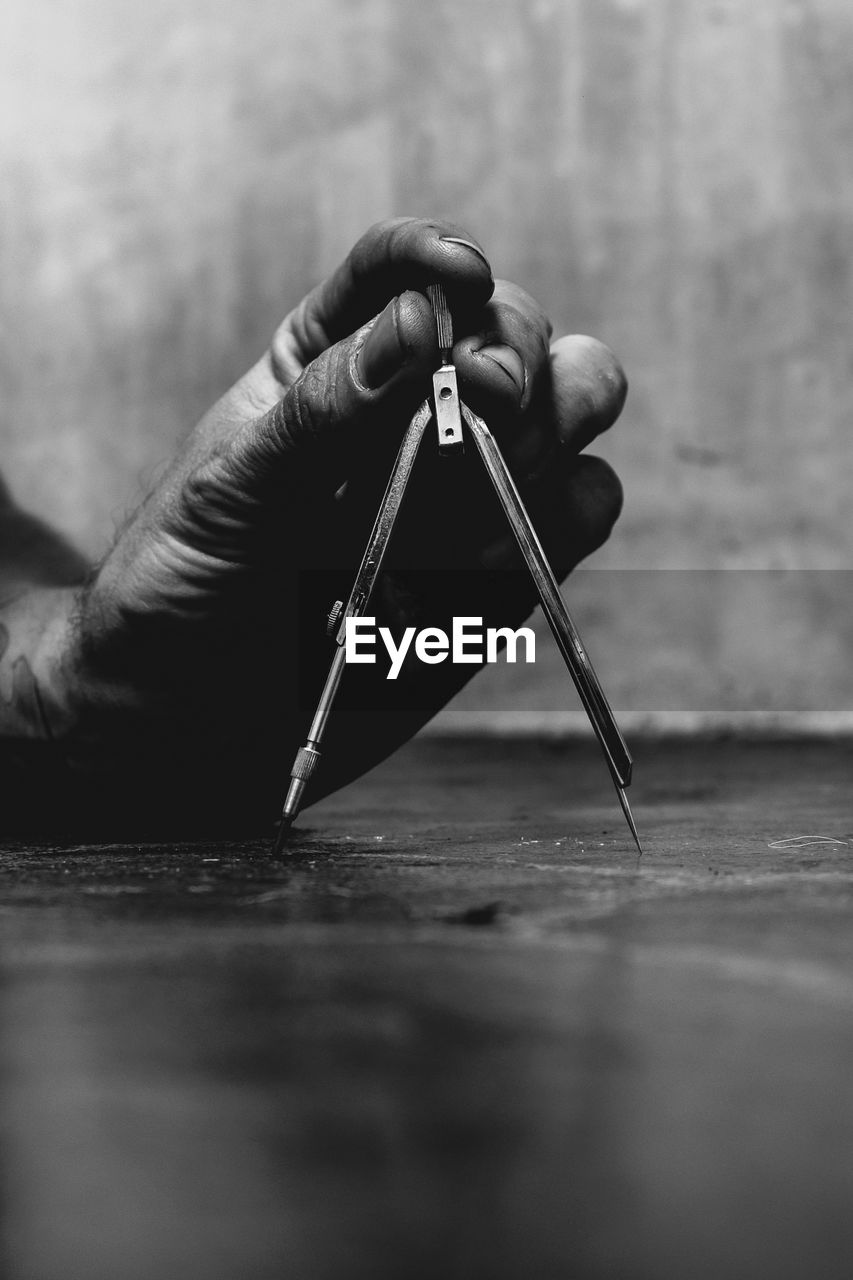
(509, 361)
(381, 354)
(468, 244)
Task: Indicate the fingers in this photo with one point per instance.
(533, 398)
(541, 401)
(536, 397)
(390, 258)
(346, 396)
(549, 405)
(501, 358)
(587, 390)
(579, 395)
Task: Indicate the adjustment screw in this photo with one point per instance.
(334, 617)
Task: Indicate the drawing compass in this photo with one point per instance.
(452, 419)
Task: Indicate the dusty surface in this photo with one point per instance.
(460, 1033)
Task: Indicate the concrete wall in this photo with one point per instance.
(675, 176)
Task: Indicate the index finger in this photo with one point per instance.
(395, 255)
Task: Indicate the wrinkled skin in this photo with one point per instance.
(198, 648)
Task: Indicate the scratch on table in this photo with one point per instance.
(802, 842)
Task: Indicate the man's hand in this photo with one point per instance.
(187, 668)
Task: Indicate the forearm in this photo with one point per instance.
(40, 573)
(75, 762)
(90, 752)
(35, 782)
(33, 624)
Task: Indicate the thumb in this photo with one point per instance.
(350, 389)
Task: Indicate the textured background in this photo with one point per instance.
(674, 176)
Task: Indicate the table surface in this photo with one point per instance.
(461, 1032)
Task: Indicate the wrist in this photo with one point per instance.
(92, 709)
(46, 625)
(34, 705)
(58, 697)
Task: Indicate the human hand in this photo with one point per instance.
(187, 669)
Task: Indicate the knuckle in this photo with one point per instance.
(515, 303)
(389, 230)
(381, 230)
(293, 421)
(213, 491)
(322, 399)
(304, 405)
(387, 239)
(527, 331)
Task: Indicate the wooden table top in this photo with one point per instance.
(462, 1031)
